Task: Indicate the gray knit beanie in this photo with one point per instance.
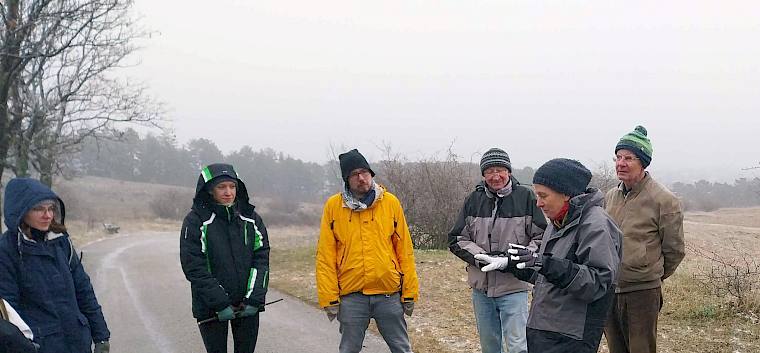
(495, 157)
(563, 175)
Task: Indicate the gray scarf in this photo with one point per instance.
(350, 201)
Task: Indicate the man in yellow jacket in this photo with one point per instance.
(365, 261)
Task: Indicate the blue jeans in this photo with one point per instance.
(501, 319)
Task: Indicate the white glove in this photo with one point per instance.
(332, 311)
(494, 262)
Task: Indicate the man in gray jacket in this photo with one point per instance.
(500, 211)
(575, 269)
(653, 246)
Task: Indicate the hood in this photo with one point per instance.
(21, 194)
(580, 203)
(203, 199)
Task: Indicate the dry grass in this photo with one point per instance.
(692, 319)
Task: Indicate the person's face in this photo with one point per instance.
(41, 215)
(549, 201)
(224, 192)
(496, 177)
(360, 181)
(628, 167)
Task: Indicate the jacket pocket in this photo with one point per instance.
(634, 256)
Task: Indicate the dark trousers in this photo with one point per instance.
(540, 341)
(245, 332)
(632, 324)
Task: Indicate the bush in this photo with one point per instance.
(432, 192)
(732, 273)
(170, 205)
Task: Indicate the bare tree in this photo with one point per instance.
(71, 96)
(37, 30)
(604, 177)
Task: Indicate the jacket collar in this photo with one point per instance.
(637, 187)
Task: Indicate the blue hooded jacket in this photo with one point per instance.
(44, 280)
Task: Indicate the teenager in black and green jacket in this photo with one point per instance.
(224, 250)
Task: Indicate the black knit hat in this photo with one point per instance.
(352, 160)
(563, 175)
(495, 157)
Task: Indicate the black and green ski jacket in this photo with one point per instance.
(224, 250)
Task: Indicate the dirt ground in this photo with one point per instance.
(692, 319)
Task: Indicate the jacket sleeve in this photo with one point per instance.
(86, 299)
(537, 224)
(326, 271)
(9, 289)
(195, 267)
(258, 279)
(671, 233)
(594, 270)
(12, 340)
(460, 238)
(402, 246)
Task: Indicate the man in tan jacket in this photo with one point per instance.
(651, 219)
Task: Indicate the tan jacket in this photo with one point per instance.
(651, 219)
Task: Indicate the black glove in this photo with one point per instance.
(524, 257)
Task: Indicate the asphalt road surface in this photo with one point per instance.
(146, 301)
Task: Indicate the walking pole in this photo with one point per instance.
(216, 318)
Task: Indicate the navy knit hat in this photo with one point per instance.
(563, 175)
(637, 142)
(352, 160)
(495, 157)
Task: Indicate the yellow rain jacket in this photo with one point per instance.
(368, 251)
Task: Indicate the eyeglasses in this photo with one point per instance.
(363, 173)
(44, 209)
(490, 172)
(625, 159)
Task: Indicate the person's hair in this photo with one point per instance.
(55, 227)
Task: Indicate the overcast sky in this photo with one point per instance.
(541, 79)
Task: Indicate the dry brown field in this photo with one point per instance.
(693, 318)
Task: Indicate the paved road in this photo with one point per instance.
(146, 300)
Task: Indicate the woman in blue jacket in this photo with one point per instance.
(41, 275)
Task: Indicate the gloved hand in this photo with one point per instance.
(226, 315)
(494, 262)
(408, 308)
(524, 257)
(248, 310)
(332, 311)
(102, 347)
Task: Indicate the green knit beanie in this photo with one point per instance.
(637, 142)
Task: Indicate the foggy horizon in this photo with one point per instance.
(540, 79)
